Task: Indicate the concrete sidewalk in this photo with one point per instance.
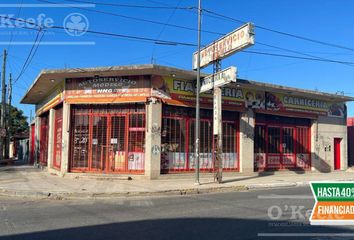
(27, 181)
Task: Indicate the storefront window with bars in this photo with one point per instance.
(178, 137)
(108, 138)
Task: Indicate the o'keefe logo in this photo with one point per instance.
(334, 203)
(76, 24)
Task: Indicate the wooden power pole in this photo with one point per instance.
(8, 118)
(3, 106)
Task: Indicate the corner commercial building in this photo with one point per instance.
(140, 120)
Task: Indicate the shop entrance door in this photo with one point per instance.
(99, 143)
(274, 149)
(287, 147)
(117, 152)
(109, 151)
(337, 153)
(280, 147)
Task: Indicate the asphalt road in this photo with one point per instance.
(265, 214)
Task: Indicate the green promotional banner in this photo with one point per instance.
(334, 203)
(335, 191)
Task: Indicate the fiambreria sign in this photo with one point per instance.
(231, 43)
(218, 79)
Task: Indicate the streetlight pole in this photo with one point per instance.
(197, 107)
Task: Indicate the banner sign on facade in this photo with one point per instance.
(233, 42)
(115, 86)
(218, 79)
(282, 102)
(182, 92)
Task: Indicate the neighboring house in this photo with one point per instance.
(350, 124)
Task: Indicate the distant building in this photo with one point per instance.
(140, 119)
(350, 124)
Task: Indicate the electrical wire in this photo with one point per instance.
(297, 52)
(221, 16)
(31, 54)
(146, 39)
(131, 5)
(11, 34)
(130, 17)
(189, 44)
(280, 32)
(297, 57)
(218, 33)
(163, 29)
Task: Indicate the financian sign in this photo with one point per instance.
(233, 42)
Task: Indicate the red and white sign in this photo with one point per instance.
(233, 42)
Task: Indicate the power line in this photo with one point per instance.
(297, 57)
(186, 43)
(172, 25)
(16, 68)
(160, 3)
(163, 29)
(280, 32)
(31, 54)
(132, 5)
(11, 36)
(146, 39)
(297, 52)
(132, 18)
(221, 16)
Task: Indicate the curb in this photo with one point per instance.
(172, 192)
(93, 196)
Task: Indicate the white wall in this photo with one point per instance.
(247, 123)
(323, 132)
(153, 139)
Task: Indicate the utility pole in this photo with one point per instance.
(3, 106)
(8, 118)
(197, 106)
(217, 126)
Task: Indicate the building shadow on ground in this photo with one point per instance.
(186, 228)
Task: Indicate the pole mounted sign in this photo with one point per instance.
(218, 79)
(231, 43)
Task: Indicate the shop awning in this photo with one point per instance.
(48, 80)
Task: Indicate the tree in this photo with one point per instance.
(19, 122)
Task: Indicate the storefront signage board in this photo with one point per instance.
(218, 79)
(227, 45)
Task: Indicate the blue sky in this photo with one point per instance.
(325, 20)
